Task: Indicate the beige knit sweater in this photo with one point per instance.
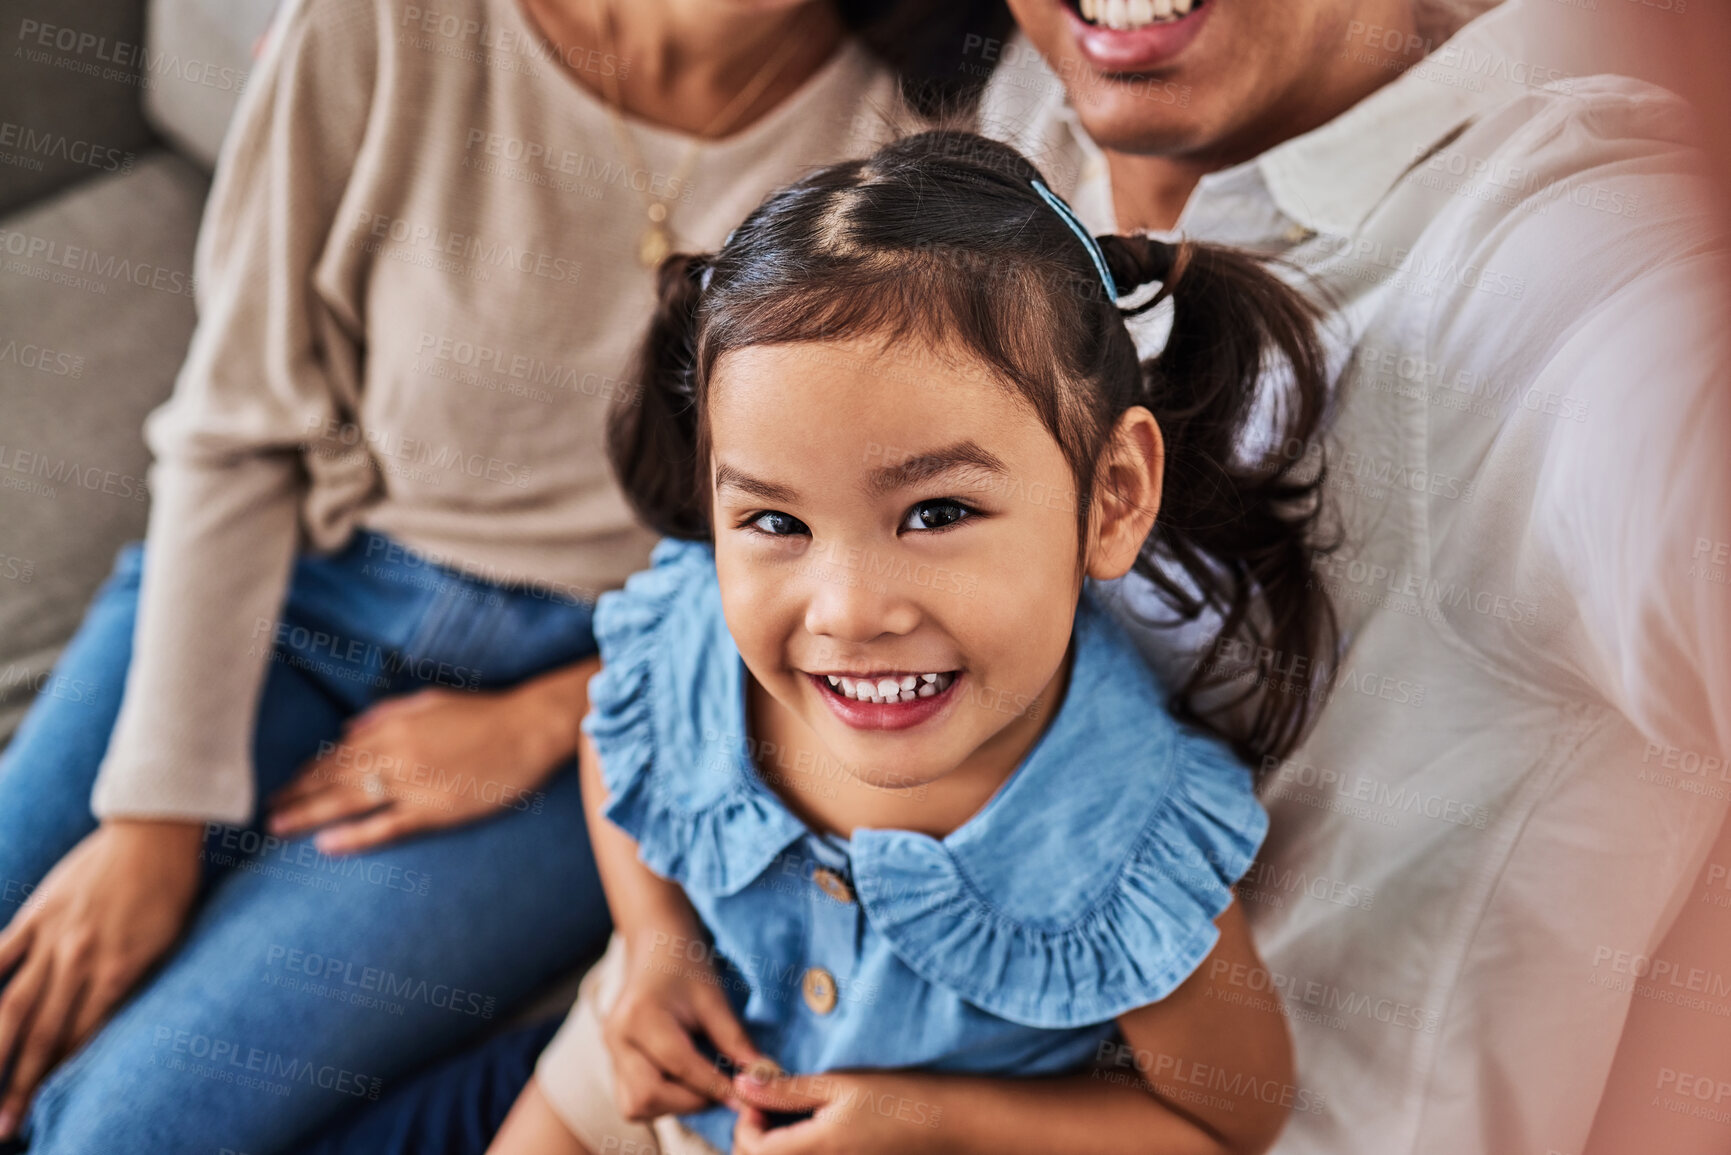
(418, 291)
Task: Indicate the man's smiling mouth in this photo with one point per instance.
(1123, 15)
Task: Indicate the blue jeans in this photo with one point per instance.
(306, 984)
(455, 1108)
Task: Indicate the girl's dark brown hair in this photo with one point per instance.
(941, 237)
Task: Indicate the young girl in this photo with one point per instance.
(905, 848)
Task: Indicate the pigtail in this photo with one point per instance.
(1237, 528)
(652, 428)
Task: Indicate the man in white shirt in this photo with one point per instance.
(1521, 769)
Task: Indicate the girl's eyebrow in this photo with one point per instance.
(907, 471)
(904, 472)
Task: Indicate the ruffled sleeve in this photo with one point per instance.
(666, 715)
(1128, 834)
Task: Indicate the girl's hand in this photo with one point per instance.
(433, 759)
(101, 918)
(657, 1069)
(854, 1113)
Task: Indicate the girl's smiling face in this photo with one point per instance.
(886, 514)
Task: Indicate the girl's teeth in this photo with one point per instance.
(903, 689)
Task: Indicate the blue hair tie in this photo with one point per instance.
(1068, 216)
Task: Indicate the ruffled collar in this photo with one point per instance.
(1117, 830)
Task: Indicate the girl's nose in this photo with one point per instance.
(851, 606)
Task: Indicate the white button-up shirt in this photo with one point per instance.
(1514, 784)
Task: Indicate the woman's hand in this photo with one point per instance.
(657, 1069)
(101, 918)
(435, 758)
(853, 1113)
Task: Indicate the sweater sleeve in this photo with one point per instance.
(228, 477)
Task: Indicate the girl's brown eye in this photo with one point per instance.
(936, 514)
(778, 524)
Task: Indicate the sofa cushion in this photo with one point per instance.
(203, 52)
(69, 94)
(95, 315)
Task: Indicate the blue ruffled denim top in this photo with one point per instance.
(1086, 886)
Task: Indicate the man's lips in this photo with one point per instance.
(1136, 49)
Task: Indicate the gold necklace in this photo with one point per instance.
(657, 239)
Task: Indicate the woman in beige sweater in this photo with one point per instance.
(381, 515)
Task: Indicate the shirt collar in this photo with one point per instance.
(1329, 179)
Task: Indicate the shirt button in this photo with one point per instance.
(1297, 234)
(819, 990)
(832, 884)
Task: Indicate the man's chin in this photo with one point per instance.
(1133, 131)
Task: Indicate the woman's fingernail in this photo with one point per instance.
(7, 1123)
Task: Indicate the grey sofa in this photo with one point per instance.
(106, 152)
(111, 114)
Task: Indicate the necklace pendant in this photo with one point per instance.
(653, 246)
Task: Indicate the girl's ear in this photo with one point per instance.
(1126, 494)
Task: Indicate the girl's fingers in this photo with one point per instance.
(754, 1136)
(748, 1131)
(634, 1080)
(670, 1098)
(780, 1093)
(716, 1018)
(667, 1045)
(641, 1093)
(393, 822)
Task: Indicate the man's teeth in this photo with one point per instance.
(905, 688)
(1125, 14)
